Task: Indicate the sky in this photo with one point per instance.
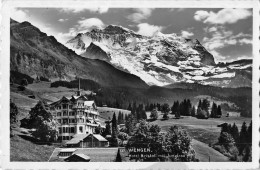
(225, 33)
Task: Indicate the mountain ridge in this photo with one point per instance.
(35, 54)
(161, 59)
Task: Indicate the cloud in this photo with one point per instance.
(245, 41)
(72, 10)
(82, 26)
(201, 15)
(219, 37)
(147, 29)
(100, 10)
(140, 14)
(89, 24)
(186, 34)
(64, 37)
(19, 15)
(62, 20)
(224, 16)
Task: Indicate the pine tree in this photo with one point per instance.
(199, 105)
(205, 105)
(219, 111)
(249, 134)
(189, 107)
(214, 110)
(129, 107)
(243, 138)
(235, 133)
(129, 124)
(193, 112)
(114, 139)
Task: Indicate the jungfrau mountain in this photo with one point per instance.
(161, 59)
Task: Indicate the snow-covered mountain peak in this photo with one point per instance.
(158, 60)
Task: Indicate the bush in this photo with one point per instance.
(201, 114)
(154, 114)
(233, 153)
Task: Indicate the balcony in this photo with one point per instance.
(78, 107)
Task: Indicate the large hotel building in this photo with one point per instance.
(75, 115)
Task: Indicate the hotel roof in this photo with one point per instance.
(95, 154)
(79, 137)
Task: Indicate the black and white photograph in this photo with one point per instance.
(132, 84)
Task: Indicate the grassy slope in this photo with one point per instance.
(106, 112)
(24, 150)
(203, 130)
(204, 153)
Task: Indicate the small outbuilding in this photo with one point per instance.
(87, 141)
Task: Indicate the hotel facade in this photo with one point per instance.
(75, 115)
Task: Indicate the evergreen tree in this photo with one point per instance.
(193, 112)
(189, 107)
(219, 111)
(143, 115)
(129, 107)
(242, 138)
(235, 133)
(165, 108)
(199, 105)
(114, 139)
(214, 110)
(165, 115)
(129, 124)
(13, 113)
(107, 130)
(205, 106)
(249, 134)
(151, 107)
(158, 107)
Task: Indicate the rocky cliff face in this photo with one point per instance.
(36, 54)
(159, 60)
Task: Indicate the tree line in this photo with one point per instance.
(235, 144)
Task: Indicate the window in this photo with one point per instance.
(81, 129)
(65, 113)
(65, 121)
(70, 106)
(59, 114)
(72, 130)
(63, 129)
(59, 120)
(68, 138)
(58, 107)
(71, 114)
(72, 121)
(64, 106)
(60, 130)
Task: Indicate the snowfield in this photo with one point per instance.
(160, 60)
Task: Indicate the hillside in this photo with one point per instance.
(35, 54)
(24, 150)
